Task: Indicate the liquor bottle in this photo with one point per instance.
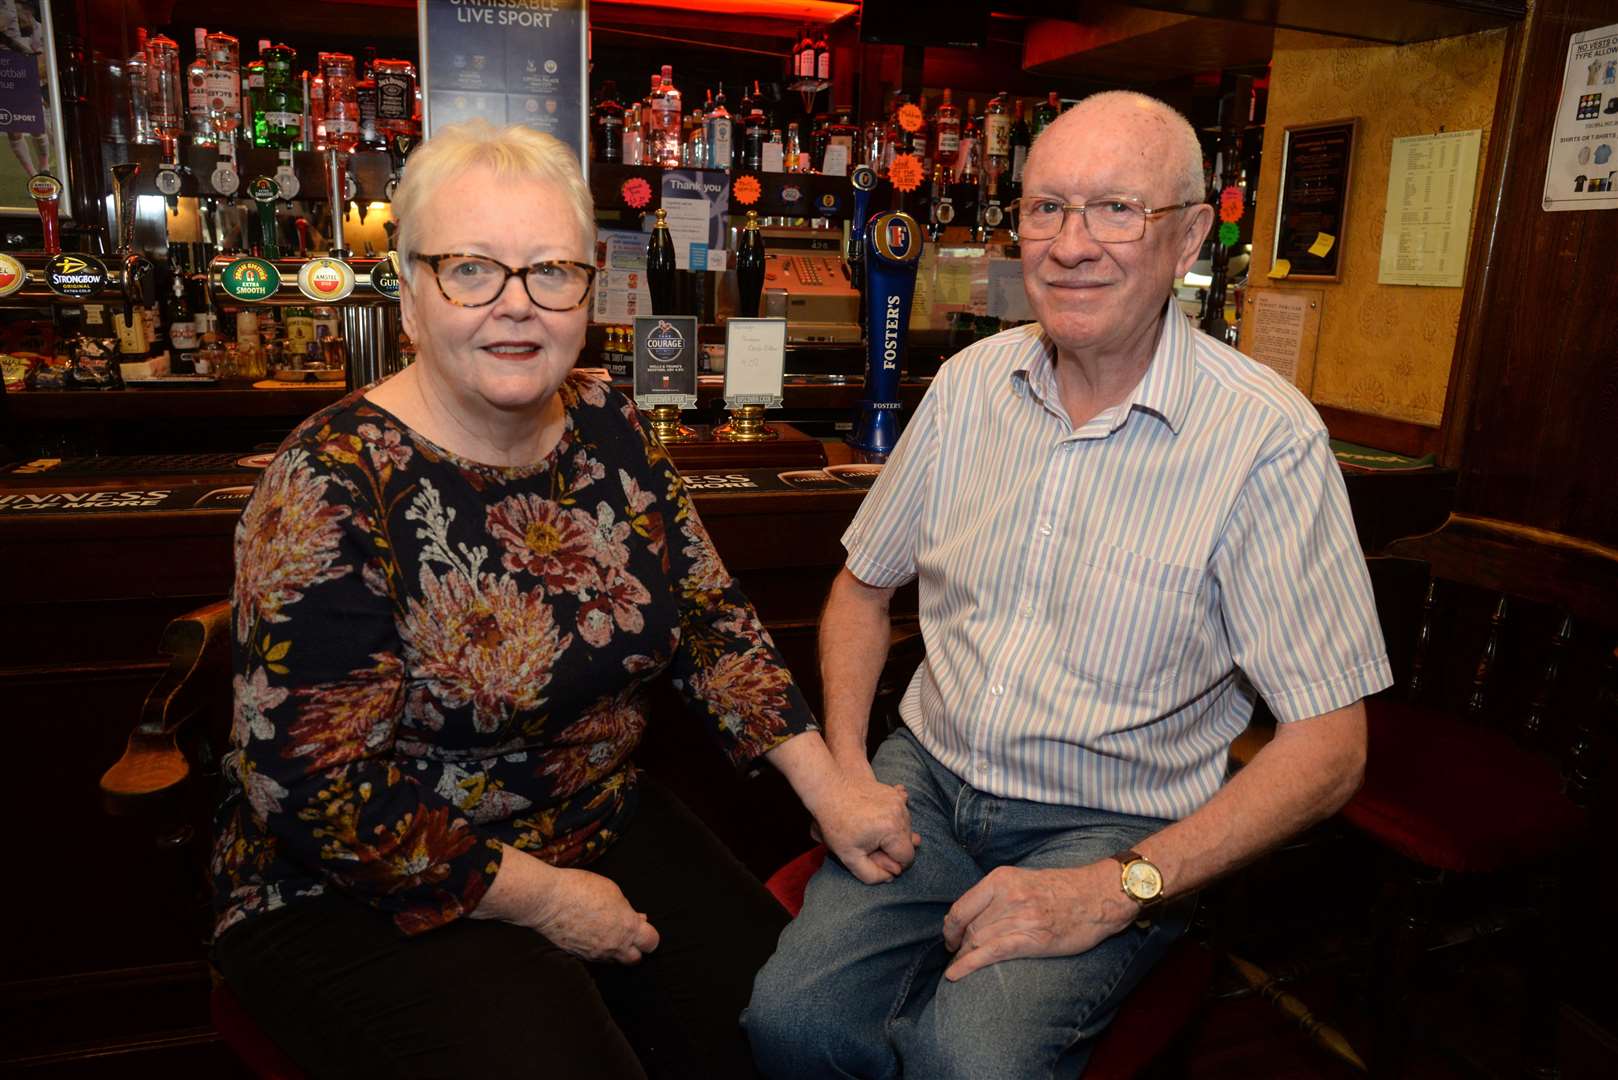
(754, 132)
(165, 94)
(282, 99)
(253, 127)
(137, 71)
(970, 160)
(804, 55)
(178, 315)
(196, 85)
(224, 81)
(797, 51)
(694, 149)
(649, 120)
(1021, 140)
(342, 109)
(997, 135)
(661, 267)
(750, 268)
(822, 58)
(721, 133)
(947, 132)
(634, 140)
(1046, 112)
(365, 96)
(666, 108)
(396, 99)
(792, 151)
(314, 134)
(609, 124)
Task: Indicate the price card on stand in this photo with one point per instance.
(755, 358)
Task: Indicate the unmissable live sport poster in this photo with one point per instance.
(30, 117)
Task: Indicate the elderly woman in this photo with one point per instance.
(435, 855)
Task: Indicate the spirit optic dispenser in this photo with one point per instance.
(893, 243)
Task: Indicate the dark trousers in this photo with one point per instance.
(336, 985)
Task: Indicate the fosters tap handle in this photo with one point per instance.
(47, 193)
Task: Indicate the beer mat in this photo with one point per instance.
(126, 465)
(1358, 458)
(278, 384)
(831, 478)
(173, 380)
(146, 500)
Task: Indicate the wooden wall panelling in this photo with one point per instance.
(1532, 412)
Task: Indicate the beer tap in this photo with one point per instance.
(302, 225)
(137, 267)
(337, 187)
(47, 193)
(863, 179)
(265, 191)
(941, 210)
(399, 147)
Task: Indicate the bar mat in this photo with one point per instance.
(277, 384)
(1369, 459)
(127, 465)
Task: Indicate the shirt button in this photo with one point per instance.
(1028, 612)
(1044, 530)
(996, 689)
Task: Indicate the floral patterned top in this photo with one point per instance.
(435, 656)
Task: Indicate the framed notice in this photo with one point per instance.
(1315, 166)
(507, 62)
(30, 106)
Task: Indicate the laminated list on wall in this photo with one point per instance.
(1428, 216)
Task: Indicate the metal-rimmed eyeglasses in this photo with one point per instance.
(1111, 219)
(471, 281)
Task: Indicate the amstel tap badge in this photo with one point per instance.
(77, 276)
(250, 279)
(326, 280)
(12, 275)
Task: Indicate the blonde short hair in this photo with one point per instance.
(511, 153)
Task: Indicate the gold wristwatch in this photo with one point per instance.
(1141, 880)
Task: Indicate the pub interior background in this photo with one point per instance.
(1495, 403)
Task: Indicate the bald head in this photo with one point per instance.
(1157, 132)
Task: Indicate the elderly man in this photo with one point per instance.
(1124, 531)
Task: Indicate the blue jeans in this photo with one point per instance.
(856, 987)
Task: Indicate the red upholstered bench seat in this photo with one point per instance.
(1457, 796)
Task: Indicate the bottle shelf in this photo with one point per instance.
(371, 170)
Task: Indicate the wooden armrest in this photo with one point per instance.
(153, 763)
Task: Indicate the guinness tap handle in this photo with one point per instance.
(123, 186)
(47, 193)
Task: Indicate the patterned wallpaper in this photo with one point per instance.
(1383, 349)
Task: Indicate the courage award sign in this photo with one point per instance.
(508, 62)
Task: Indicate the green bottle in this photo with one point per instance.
(282, 111)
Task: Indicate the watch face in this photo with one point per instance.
(1142, 880)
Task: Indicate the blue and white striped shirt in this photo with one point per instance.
(1100, 605)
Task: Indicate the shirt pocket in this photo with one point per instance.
(1132, 618)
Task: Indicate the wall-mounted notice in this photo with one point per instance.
(1316, 163)
(1431, 179)
(508, 62)
(1583, 170)
(1281, 328)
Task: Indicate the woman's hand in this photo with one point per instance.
(581, 913)
(866, 824)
